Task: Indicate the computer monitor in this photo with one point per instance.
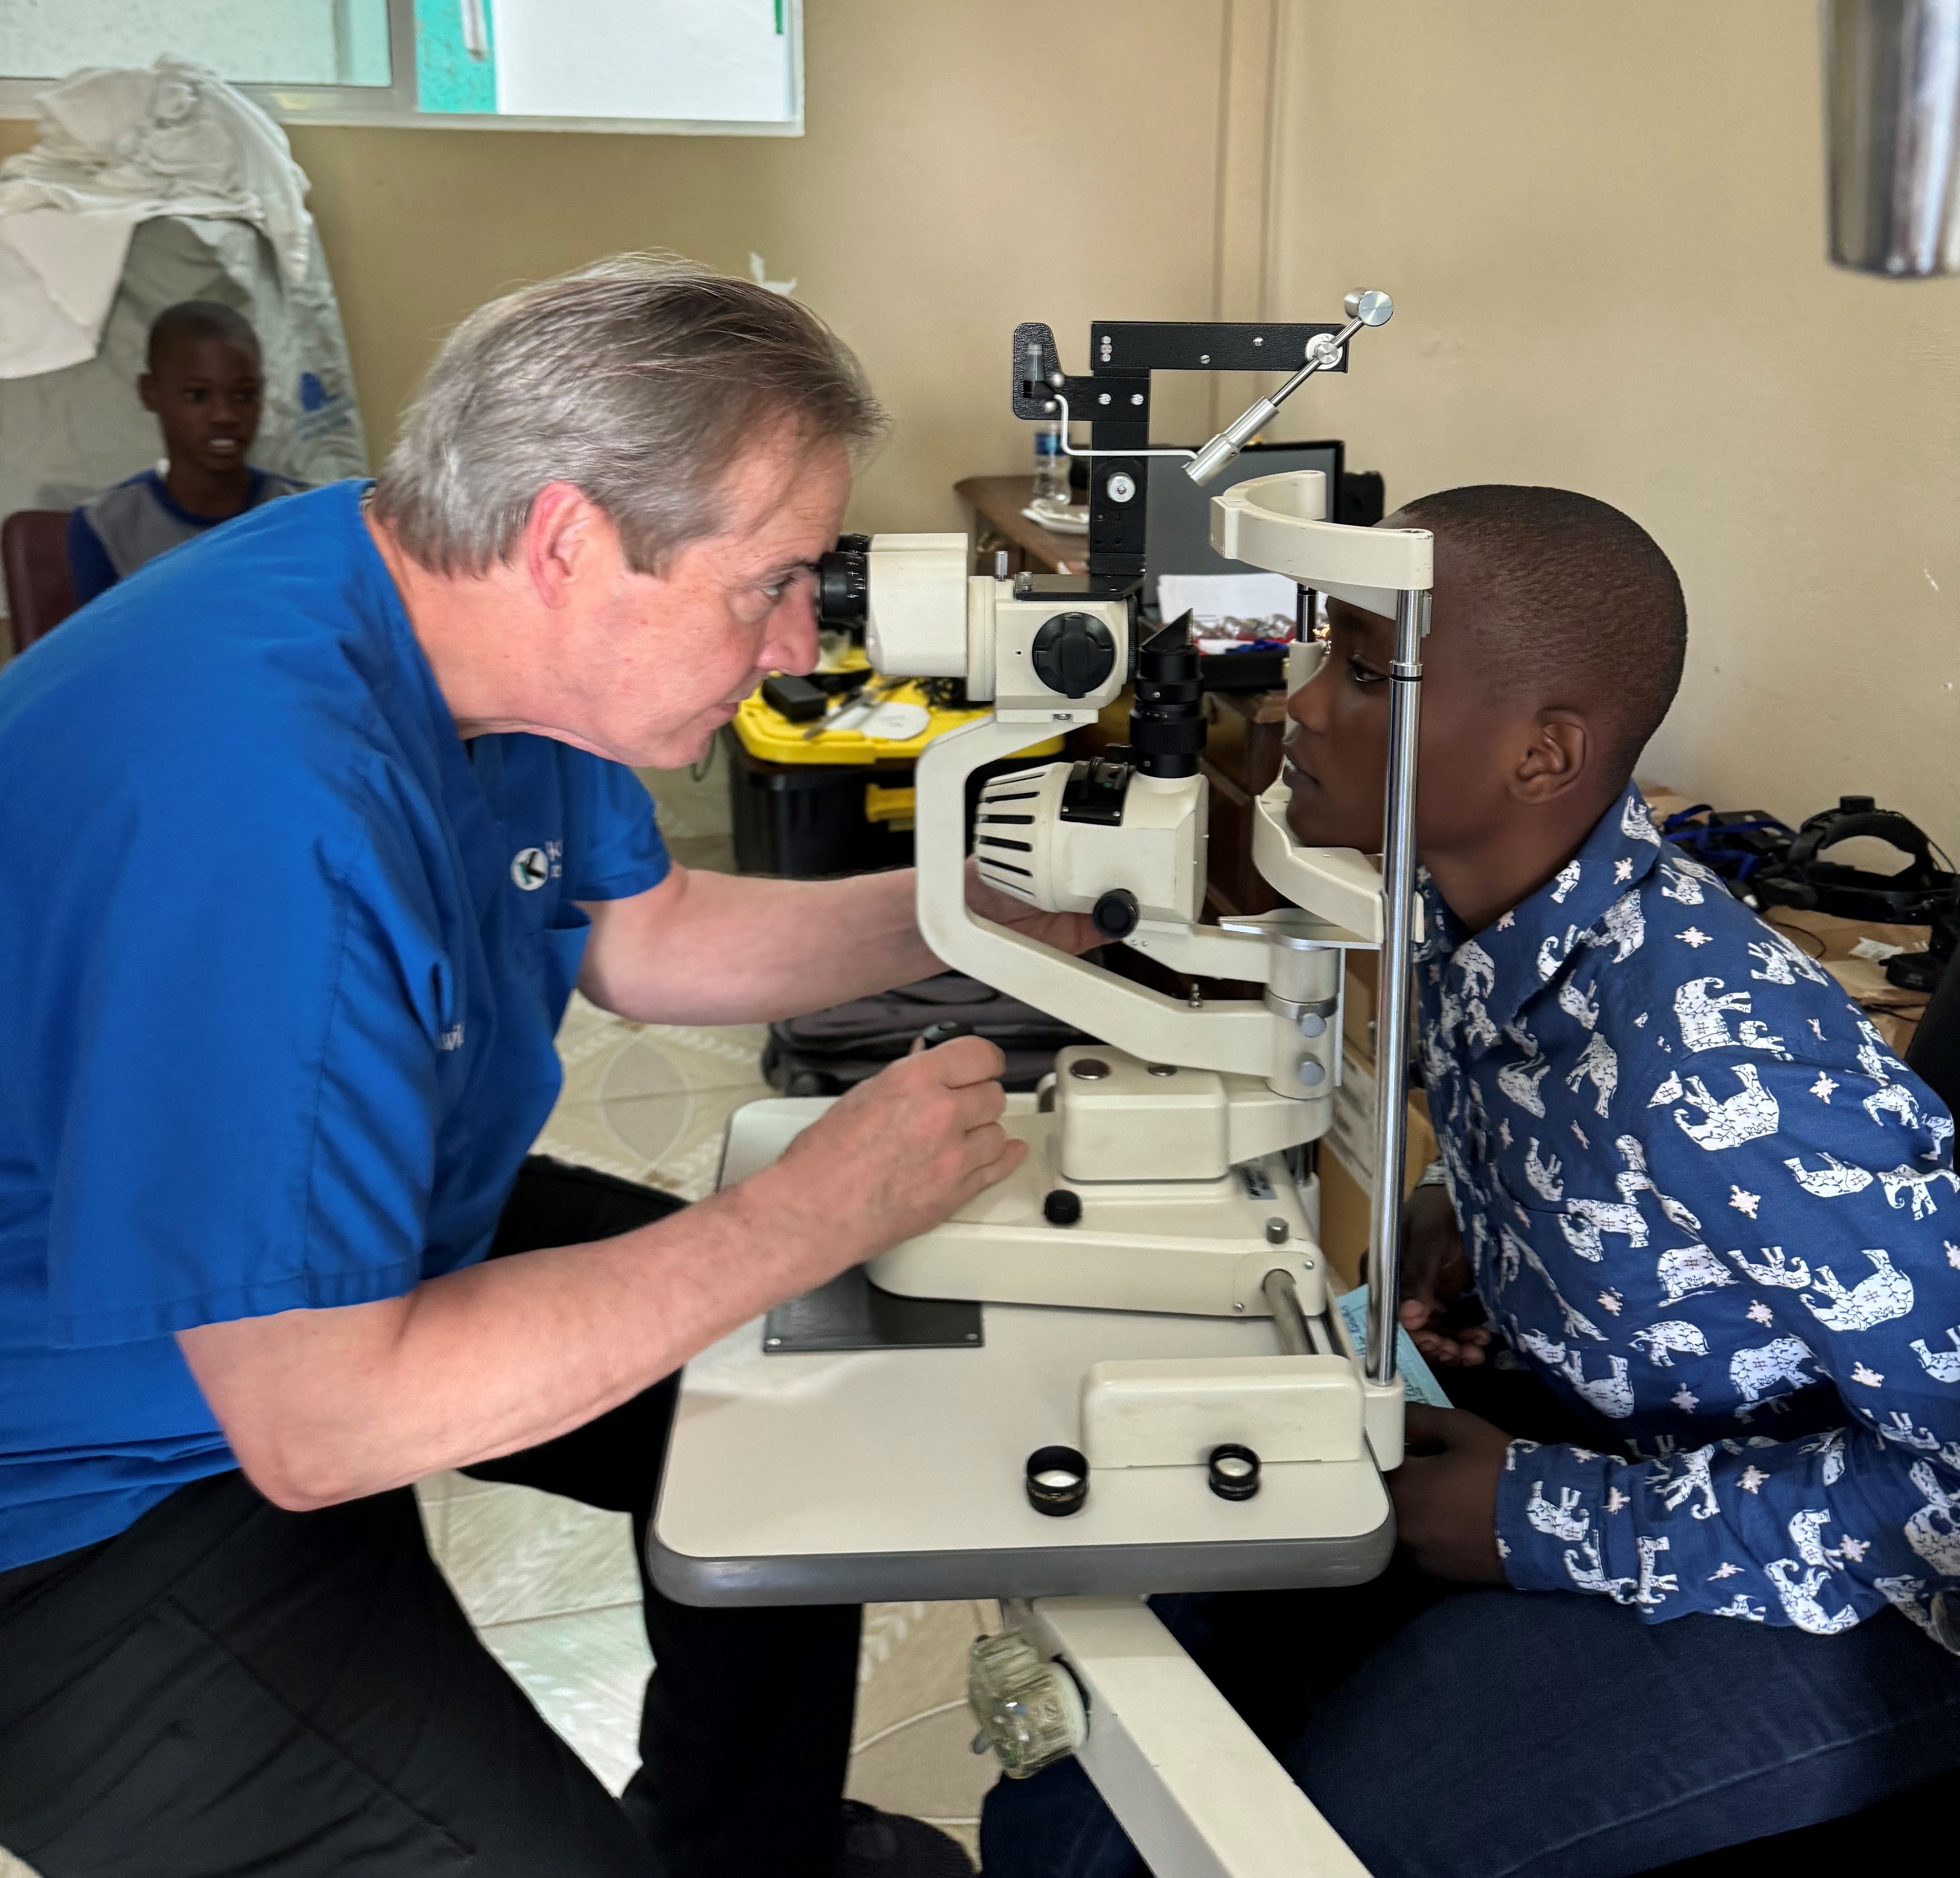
(1177, 514)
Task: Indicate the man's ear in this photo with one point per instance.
(565, 543)
(1561, 751)
(146, 390)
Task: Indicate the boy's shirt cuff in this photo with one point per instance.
(1555, 1529)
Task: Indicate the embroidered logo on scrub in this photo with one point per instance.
(530, 869)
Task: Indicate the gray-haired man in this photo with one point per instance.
(301, 886)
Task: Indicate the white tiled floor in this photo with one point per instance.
(512, 1554)
(585, 1672)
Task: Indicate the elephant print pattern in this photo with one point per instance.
(1714, 1211)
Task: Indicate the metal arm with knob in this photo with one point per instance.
(1369, 307)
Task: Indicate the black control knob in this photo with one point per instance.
(1116, 913)
(1061, 1206)
(1073, 654)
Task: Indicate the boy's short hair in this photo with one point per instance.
(198, 319)
(1573, 591)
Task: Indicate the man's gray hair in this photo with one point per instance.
(640, 380)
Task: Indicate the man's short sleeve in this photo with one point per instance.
(613, 849)
(237, 1093)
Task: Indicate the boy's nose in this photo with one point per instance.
(1307, 706)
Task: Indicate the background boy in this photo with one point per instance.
(205, 386)
(1710, 1222)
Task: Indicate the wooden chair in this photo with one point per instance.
(33, 558)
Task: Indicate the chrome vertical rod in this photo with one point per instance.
(1391, 1025)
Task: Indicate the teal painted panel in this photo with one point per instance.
(453, 75)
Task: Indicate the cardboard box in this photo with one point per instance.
(1344, 1221)
(1830, 941)
(1346, 1164)
(1357, 1002)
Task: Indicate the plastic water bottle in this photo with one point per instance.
(1050, 467)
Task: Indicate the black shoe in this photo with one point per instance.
(889, 1845)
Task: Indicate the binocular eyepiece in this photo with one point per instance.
(843, 582)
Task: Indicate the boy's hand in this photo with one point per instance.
(1446, 1501)
(1435, 1273)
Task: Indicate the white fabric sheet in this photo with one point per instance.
(117, 148)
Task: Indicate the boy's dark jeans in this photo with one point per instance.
(228, 1688)
(1475, 1733)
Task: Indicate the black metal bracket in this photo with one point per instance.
(1114, 402)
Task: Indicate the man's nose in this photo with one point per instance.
(792, 643)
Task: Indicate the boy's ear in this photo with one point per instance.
(1559, 753)
(146, 390)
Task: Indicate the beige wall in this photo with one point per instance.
(1602, 223)
(965, 166)
(1603, 227)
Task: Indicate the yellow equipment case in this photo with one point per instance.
(839, 802)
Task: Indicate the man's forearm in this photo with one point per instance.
(488, 1359)
(726, 950)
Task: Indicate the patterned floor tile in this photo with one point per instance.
(586, 1673)
(651, 1103)
(511, 1553)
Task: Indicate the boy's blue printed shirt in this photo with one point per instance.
(1705, 1202)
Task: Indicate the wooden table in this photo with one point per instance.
(996, 503)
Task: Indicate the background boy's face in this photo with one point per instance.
(206, 394)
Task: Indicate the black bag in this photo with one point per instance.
(828, 1052)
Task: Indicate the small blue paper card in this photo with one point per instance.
(1419, 1382)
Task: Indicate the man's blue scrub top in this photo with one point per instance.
(282, 958)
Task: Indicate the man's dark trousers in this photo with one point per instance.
(226, 1688)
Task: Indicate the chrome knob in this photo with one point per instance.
(1371, 306)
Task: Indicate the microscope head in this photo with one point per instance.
(1037, 649)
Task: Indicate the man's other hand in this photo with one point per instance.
(1066, 932)
(1447, 1497)
(899, 1152)
(1435, 1273)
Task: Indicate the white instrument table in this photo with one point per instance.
(887, 1475)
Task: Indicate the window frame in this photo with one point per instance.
(392, 106)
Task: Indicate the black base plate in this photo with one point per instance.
(851, 1313)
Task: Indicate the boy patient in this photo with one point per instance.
(205, 386)
(1696, 1258)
